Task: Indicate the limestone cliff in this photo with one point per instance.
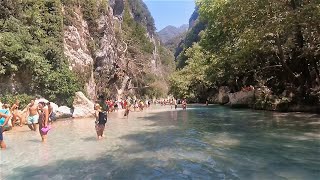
(106, 49)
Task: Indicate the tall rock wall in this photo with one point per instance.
(76, 42)
(103, 60)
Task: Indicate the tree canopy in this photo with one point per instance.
(31, 49)
(272, 43)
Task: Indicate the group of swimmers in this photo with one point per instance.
(173, 103)
(103, 107)
(37, 114)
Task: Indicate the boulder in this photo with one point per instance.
(41, 100)
(83, 107)
(54, 106)
(241, 98)
(223, 97)
(63, 112)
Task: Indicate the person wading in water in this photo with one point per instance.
(16, 114)
(127, 108)
(32, 114)
(184, 104)
(43, 120)
(101, 120)
(4, 118)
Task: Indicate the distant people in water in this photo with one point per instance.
(171, 103)
(4, 119)
(101, 120)
(184, 104)
(175, 103)
(127, 108)
(44, 127)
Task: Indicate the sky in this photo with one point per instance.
(170, 12)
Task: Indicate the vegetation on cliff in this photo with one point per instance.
(32, 58)
(254, 42)
(31, 50)
(151, 63)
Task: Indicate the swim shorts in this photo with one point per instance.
(33, 119)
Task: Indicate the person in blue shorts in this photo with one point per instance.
(33, 116)
(4, 118)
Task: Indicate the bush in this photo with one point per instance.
(24, 99)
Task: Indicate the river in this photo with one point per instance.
(211, 142)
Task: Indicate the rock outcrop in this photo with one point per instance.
(223, 97)
(241, 98)
(63, 112)
(76, 43)
(83, 107)
(102, 56)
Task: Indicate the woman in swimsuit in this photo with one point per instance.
(101, 120)
(43, 120)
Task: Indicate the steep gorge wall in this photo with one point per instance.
(104, 60)
(58, 47)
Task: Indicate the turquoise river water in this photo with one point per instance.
(211, 142)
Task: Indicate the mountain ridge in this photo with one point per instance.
(170, 32)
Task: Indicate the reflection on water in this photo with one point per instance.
(201, 143)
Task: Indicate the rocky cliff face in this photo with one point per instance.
(76, 42)
(104, 60)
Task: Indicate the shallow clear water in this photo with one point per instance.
(201, 143)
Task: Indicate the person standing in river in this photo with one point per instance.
(127, 108)
(33, 116)
(101, 120)
(15, 114)
(43, 112)
(4, 119)
(175, 103)
(52, 114)
(184, 104)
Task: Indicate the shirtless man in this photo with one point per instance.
(52, 115)
(33, 116)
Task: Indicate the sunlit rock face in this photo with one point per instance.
(83, 107)
(76, 41)
(101, 60)
(241, 98)
(223, 97)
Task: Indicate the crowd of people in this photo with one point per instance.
(39, 114)
(173, 103)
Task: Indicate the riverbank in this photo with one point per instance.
(262, 99)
